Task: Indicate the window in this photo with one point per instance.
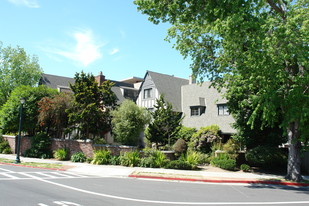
(147, 93)
(129, 94)
(197, 110)
(223, 110)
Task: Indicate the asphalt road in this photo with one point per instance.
(20, 186)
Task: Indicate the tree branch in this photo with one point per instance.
(277, 8)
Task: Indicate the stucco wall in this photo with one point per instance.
(192, 94)
(149, 102)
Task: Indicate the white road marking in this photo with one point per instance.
(167, 202)
(5, 170)
(10, 176)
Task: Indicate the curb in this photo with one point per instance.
(45, 168)
(266, 182)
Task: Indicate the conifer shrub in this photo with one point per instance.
(180, 147)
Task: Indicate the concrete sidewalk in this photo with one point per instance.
(204, 175)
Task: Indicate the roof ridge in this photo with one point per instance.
(168, 75)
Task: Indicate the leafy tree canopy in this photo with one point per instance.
(9, 113)
(53, 116)
(16, 68)
(128, 122)
(257, 45)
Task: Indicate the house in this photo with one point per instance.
(156, 84)
(124, 89)
(203, 105)
(200, 105)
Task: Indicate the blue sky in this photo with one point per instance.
(110, 36)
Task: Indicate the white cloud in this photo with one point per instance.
(27, 3)
(85, 51)
(114, 51)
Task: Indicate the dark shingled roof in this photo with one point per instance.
(170, 87)
(54, 81)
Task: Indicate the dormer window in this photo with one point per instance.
(147, 93)
(197, 110)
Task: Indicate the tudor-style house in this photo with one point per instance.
(123, 89)
(200, 105)
(156, 84)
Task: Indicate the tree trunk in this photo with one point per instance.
(294, 159)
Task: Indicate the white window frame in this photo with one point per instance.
(223, 110)
(147, 94)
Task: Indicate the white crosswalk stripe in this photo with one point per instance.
(11, 175)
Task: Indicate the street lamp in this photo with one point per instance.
(22, 102)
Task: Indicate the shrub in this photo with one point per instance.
(40, 146)
(192, 158)
(266, 157)
(89, 159)
(78, 157)
(99, 140)
(224, 161)
(114, 160)
(178, 164)
(4, 146)
(153, 158)
(201, 141)
(245, 167)
(62, 154)
(186, 133)
(128, 122)
(231, 147)
(101, 157)
(180, 147)
(130, 159)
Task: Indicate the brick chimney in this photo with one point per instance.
(100, 78)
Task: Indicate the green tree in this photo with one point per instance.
(16, 68)
(9, 113)
(128, 122)
(258, 45)
(53, 116)
(90, 113)
(165, 124)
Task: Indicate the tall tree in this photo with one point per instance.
(92, 104)
(260, 45)
(128, 122)
(165, 123)
(16, 69)
(9, 113)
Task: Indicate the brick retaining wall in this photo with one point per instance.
(87, 147)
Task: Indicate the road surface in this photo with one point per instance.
(39, 187)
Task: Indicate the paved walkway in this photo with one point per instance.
(207, 174)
